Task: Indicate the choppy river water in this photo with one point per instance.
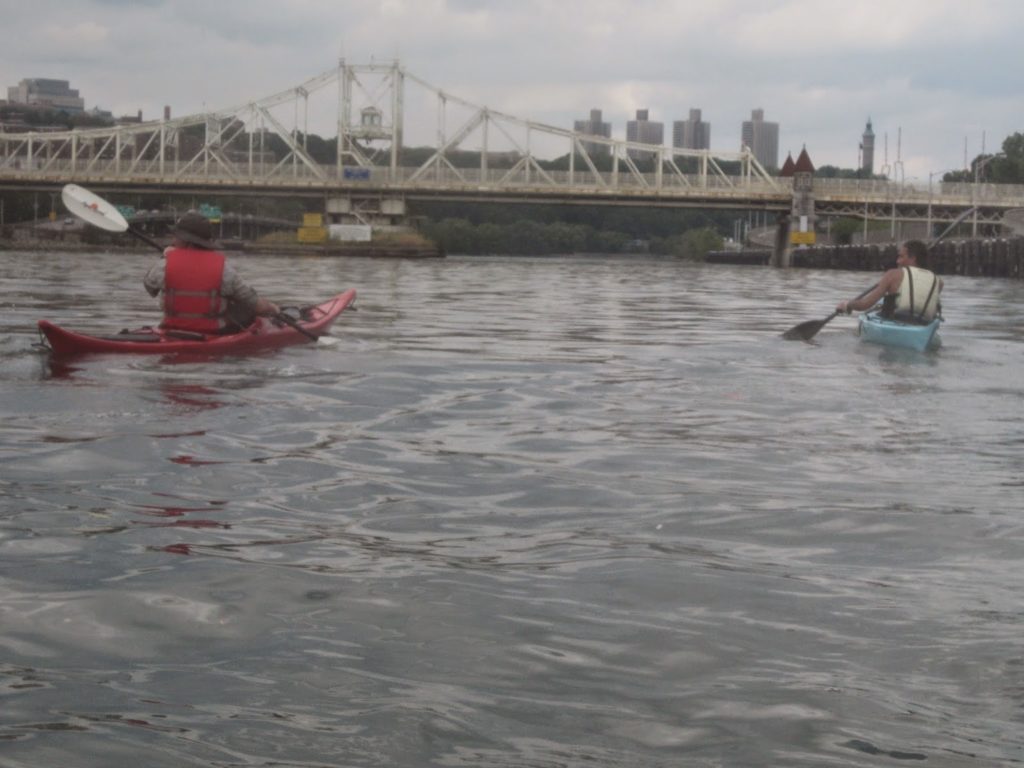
(516, 512)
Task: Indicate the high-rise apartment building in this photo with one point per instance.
(645, 131)
(42, 92)
(867, 150)
(762, 138)
(594, 127)
(692, 133)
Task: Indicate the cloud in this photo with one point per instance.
(84, 34)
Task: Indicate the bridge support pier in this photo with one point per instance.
(376, 211)
(801, 214)
(781, 251)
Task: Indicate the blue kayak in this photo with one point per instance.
(893, 333)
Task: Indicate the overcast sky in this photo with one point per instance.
(932, 75)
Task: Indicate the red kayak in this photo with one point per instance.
(265, 333)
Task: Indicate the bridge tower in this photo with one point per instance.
(370, 118)
(797, 228)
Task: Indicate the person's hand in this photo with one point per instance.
(843, 308)
(267, 308)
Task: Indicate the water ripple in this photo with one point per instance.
(520, 512)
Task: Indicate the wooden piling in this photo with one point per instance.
(1002, 257)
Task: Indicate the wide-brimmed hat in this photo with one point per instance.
(195, 229)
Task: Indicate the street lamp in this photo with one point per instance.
(979, 166)
(931, 176)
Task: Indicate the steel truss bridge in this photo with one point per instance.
(264, 147)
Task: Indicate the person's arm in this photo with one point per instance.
(868, 300)
(264, 307)
(236, 289)
(154, 279)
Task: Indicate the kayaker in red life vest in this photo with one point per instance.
(199, 290)
(909, 291)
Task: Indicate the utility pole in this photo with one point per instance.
(979, 176)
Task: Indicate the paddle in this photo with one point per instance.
(294, 324)
(98, 212)
(806, 330)
(94, 210)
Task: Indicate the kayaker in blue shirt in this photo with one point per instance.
(199, 290)
(909, 291)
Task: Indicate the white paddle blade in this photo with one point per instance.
(92, 208)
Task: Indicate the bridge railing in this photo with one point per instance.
(905, 192)
(997, 193)
(226, 172)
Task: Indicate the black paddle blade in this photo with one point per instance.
(806, 330)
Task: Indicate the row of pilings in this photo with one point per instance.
(1003, 257)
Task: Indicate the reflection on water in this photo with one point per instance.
(192, 397)
(523, 512)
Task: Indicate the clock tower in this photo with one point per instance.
(867, 150)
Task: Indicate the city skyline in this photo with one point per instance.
(36, 91)
(762, 137)
(594, 126)
(692, 133)
(643, 130)
(818, 68)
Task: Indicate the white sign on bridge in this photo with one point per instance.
(352, 233)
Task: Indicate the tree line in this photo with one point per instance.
(51, 119)
(533, 238)
(479, 228)
(1006, 167)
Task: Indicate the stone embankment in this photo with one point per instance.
(979, 258)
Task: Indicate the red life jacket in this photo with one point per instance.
(192, 290)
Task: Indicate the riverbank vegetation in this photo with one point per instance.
(477, 228)
(1004, 167)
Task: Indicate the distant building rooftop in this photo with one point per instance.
(803, 163)
(47, 92)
